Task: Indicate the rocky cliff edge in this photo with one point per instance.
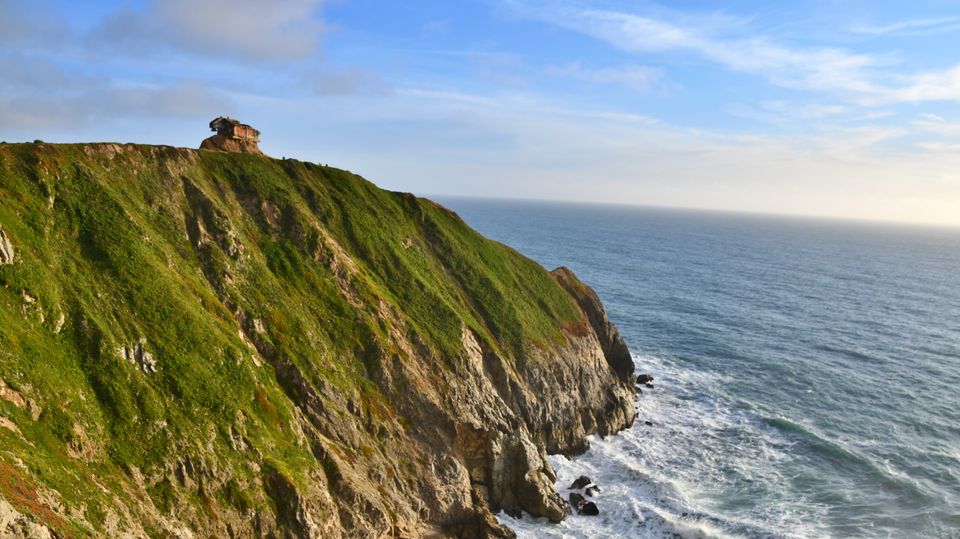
(200, 344)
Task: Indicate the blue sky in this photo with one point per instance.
(848, 109)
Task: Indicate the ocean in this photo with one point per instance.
(807, 372)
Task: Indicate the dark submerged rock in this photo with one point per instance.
(591, 490)
(590, 509)
(581, 482)
(644, 379)
(577, 501)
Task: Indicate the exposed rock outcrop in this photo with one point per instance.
(6, 248)
(15, 525)
(138, 355)
(223, 143)
(11, 395)
(613, 345)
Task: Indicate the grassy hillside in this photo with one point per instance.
(141, 275)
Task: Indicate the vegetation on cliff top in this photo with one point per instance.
(136, 267)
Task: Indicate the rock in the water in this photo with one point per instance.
(577, 501)
(644, 379)
(592, 490)
(6, 249)
(582, 506)
(581, 482)
(648, 423)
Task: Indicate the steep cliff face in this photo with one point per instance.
(201, 344)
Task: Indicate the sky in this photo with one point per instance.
(825, 108)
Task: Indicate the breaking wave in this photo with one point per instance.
(684, 476)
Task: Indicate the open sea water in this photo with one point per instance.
(807, 372)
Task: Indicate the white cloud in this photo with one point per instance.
(927, 86)
(108, 104)
(449, 96)
(37, 95)
(807, 115)
(635, 77)
(350, 81)
(525, 104)
(912, 27)
(940, 147)
(932, 117)
(806, 110)
(549, 152)
(938, 126)
(622, 117)
(866, 79)
(256, 30)
(57, 75)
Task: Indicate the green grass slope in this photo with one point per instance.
(134, 267)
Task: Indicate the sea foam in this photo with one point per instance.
(677, 478)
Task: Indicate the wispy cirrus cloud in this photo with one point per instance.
(937, 126)
(634, 76)
(912, 27)
(546, 148)
(943, 85)
(940, 147)
(809, 114)
(863, 78)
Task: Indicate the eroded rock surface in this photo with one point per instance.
(222, 143)
(138, 355)
(15, 525)
(6, 249)
(613, 345)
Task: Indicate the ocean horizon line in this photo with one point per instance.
(893, 223)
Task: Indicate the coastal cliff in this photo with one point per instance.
(203, 344)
